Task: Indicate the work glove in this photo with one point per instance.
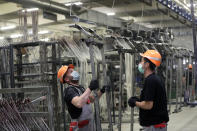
(132, 101)
(106, 87)
(94, 85)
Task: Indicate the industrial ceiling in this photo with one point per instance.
(91, 13)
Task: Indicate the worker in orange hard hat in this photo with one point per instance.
(78, 99)
(153, 101)
(190, 66)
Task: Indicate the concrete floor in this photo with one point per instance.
(186, 120)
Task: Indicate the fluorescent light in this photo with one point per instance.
(189, 5)
(8, 27)
(16, 36)
(117, 66)
(30, 9)
(78, 3)
(1, 38)
(46, 39)
(111, 13)
(68, 4)
(43, 32)
(74, 3)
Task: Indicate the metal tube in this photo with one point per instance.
(62, 95)
(177, 90)
(96, 102)
(120, 93)
(107, 91)
(50, 109)
(170, 90)
(166, 79)
(63, 107)
(12, 82)
(112, 93)
(194, 38)
(132, 94)
(181, 82)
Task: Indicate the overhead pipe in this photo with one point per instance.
(44, 6)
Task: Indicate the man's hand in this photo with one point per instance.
(94, 85)
(132, 101)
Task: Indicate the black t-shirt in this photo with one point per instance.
(154, 90)
(69, 93)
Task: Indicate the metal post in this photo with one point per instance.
(50, 109)
(120, 93)
(177, 73)
(180, 81)
(19, 71)
(63, 107)
(96, 102)
(193, 81)
(107, 91)
(54, 87)
(166, 79)
(170, 90)
(194, 38)
(62, 94)
(112, 93)
(12, 82)
(132, 94)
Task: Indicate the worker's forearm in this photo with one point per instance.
(144, 105)
(84, 97)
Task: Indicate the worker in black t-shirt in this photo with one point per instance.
(78, 99)
(153, 115)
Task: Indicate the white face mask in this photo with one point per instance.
(75, 75)
(140, 68)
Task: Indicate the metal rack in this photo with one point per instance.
(47, 91)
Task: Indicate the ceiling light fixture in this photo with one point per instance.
(30, 9)
(111, 14)
(43, 32)
(45, 39)
(78, 3)
(74, 3)
(16, 36)
(1, 38)
(8, 27)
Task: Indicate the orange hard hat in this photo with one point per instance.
(153, 55)
(62, 71)
(190, 66)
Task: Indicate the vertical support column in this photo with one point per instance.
(50, 109)
(62, 94)
(120, 93)
(12, 81)
(180, 80)
(166, 79)
(19, 71)
(96, 102)
(132, 92)
(170, 90)
(177, 86)
(55, 88)
(194, 39)
(112, 94)
(107, 91)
